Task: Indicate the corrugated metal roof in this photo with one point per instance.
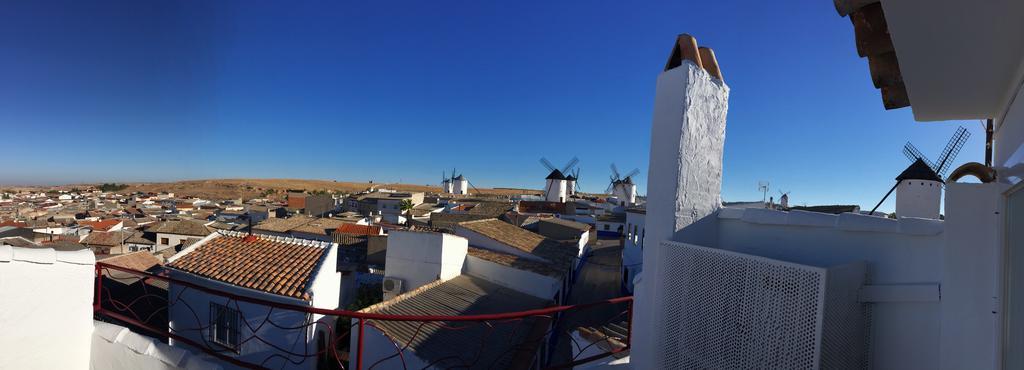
(502, 345)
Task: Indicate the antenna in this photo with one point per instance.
(762, 186)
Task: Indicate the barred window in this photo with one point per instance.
(224, 325)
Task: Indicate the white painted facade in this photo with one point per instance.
(116, 347)
(624, 193)
(46, 308)
(918, 198)
(537, 285)
(420, 258)
(633, 247)
(555, 190)
(460, 186)
(325, 291)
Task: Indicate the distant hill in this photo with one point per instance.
(253, 188)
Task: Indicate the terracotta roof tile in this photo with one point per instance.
(354, 229)
(561, 254)
(278, 267)
(101, 225)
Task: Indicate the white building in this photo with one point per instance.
(918, 192)
(555, 188)
(286, 271)
(460, 186)
(633, 247)
(625, 191)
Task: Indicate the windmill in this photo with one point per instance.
(555, 189)
(622, 187)
(784, 198)
(446, 183)
(574, 181)
(922, 168)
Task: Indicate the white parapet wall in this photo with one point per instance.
(904, 261)
(116, 347)
(45, 308)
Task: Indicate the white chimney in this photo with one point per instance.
(684, 179)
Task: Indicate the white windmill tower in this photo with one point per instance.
(556, 187)
(446, 183)
(784, 199)
(622, 187)
(460, 185)
(920, 185)
(571, 182)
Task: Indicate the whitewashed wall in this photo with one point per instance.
(45, 308)
(537, 285)
(420, 258)
(116, 347)
(684, 181)
(1008, 148)
(918, 198)
(905, 332)
(189, 309)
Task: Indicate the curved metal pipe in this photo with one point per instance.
(984, 173)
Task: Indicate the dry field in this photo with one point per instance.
(252, 188)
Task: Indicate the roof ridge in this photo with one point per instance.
(277, 239)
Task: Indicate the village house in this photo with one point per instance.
(284, 270)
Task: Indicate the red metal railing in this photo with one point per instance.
(137, 299)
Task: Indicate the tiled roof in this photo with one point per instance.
(567, 223)
(319, 226)
(101, 225)
(261, 263)
(510, 344)
(516, 262)
(105, 238)
(282, 225)
(552, 250)
(139, 261)
(353, 229)
(18, 241)
(541, 207)
(139, 237)
(449, 220)
(183, 227)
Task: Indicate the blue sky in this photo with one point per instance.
(399, 91)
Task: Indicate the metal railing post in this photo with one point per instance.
(629, 326)
(359, 347)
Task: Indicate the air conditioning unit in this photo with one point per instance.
(392, 288)
(722, 309)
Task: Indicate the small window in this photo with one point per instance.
(224, 326)
(165, 241)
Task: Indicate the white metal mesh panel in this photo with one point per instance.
(725, 310)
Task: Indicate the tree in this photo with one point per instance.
(407, 209)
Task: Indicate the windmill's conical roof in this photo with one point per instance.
(570, 178)
(919, 171)
(460, 178)
(556, 175)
